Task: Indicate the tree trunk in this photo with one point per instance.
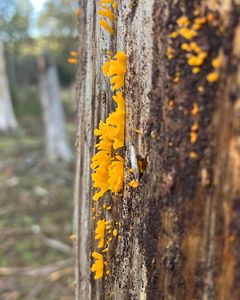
(57, 143)
(180, 228)
(7, 116)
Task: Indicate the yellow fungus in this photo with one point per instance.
(109, 207)
(197, 60)
(201, 20)
(193, 137)
(78, 12)
(194, 47)
(186, 47)
(134, 184)
(195, 109)
(116, 69)
(196, 70)
(106, 26)
(98, 266)
(107, 272)
(216, 63)
(100, 233)
(171, 104)
(114, 5)
(183, 21)
(105, 250)
(115, 232)
(74, 53)
(210, 17)
(187, 33)
(176, 78)
(73, 237)
(196, 26)
(174, 34)
(195, 126)
(170, 52)
(106, 12)
(131, 170)
(108, 174)
(193, 155)
(73, 61)
(116, 175)
(106, 2)
(212, 77)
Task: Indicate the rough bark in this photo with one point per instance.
(181, 229)
(57, 142)
(7, 116)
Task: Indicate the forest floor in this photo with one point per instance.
(36, 201)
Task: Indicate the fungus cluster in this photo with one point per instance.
(106, 11)
(108, 168)
(107, 164)
(188, 39)
(74, 58)
(188, 30)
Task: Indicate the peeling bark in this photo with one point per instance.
(180, 229)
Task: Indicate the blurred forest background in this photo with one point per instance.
(35, 187)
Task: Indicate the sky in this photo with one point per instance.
(38, 4)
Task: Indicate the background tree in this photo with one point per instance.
(14, 23)
(7, 116)
(57, 143)
(180, 228)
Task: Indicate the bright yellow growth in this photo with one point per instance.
(134, 183)
(212, 77)
(174, 34)
(170, 52)
(73, 61)
(100, 233)
(195, 109)
(196, 70)
(187, 33)
(183, 21)
(216, 63)
(106, 2)
(197, 60)
(116, 175)
(193, 155)
(108, 172)
(98, 265)
(115, 232)
(106, 12)
(74, 53)
(193, 137)
(106, 26)
(116, 69)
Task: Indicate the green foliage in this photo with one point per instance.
(27, 100)
(58, 18)
(15, 19)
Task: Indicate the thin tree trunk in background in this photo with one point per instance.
(7, 116)
(57, 142)
(180, 228)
